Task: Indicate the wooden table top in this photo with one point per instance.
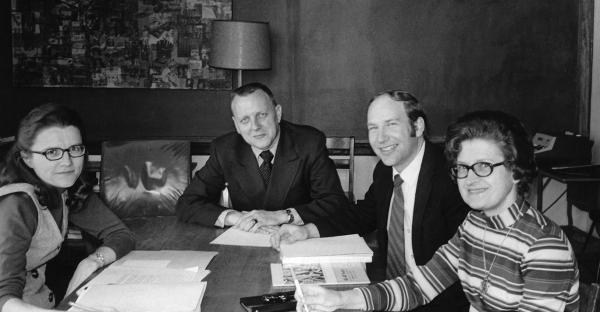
(235, 271)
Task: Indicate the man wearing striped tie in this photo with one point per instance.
(411, 208)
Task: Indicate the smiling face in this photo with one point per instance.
(60, 173)
(494, 193)
(392, 135)
(256, 119)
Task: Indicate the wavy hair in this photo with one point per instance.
(504, 129)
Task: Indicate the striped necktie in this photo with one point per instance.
(396, 261)
(266, 166)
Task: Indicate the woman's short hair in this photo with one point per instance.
(504, 129)
(13, 169)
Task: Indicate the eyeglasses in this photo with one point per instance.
(481, 169)
(56, 153)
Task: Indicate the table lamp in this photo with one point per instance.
(240, 45)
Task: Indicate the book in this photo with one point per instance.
(336, 249)
(353, 273)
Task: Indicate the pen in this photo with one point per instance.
(83, 307)
(299, 289)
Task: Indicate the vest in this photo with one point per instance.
(45, 245)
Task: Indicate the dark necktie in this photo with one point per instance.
(265, 167)
(396, 261)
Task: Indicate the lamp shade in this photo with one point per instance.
(240, 45)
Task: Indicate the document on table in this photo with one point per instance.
(167, 297)
(336, 249)
(173, 259)
(238, 237)
(319, 274)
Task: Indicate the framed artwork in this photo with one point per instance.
(116, 43)
(144, 178)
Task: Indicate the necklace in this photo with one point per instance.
(485, 283)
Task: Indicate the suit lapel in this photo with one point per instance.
(424, 185)
(285, 169)
(385, 183)
(250, 181)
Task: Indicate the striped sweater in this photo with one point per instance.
(533, 267)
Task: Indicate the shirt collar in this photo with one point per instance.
(273, 148)
(507, 217)
(410, 174)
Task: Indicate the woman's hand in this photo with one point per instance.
(318, 298)
(85, 268)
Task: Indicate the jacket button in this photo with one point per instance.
(35, 273)
(51, 297)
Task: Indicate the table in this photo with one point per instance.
(235, 272)
(584, 174)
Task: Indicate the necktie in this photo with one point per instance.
(396, 261)
(266, 166)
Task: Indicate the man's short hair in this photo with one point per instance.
(413, 108)
(251, 88)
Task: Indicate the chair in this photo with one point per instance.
(342, 151)
(144, 178)
(585, 195)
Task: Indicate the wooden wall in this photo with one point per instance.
(330, 57)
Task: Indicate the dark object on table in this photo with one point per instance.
(281, 301)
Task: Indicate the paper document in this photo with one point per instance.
(133, 275)
(177, 297)
(319, 274)
(337, 249)
(242, 238)
(173, 259)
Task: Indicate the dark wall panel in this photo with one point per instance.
(330, 57)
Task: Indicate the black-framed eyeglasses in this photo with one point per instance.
(57, 153)
(481, 169)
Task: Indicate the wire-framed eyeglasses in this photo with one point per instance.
(56, 153)
(481, 169)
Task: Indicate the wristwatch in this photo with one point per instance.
(290, 215)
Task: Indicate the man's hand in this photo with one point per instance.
(318, 298)
(255, 219)
(289, 233)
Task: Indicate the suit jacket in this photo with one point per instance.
(303, 177)
(438, 211)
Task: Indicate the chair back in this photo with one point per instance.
(341, 151)
(144, 178)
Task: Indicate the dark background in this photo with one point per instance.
(330, 57)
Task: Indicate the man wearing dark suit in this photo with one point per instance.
(276, 172)
(432, 207)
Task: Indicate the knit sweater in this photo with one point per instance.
(526, 259)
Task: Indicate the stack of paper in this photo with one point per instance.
(337, 249)
(166, 280)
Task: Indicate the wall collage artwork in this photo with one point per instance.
(116, 43)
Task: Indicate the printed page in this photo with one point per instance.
(319, 274)
(242, 238)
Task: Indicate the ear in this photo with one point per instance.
(26, 158)
(278, 112)
(237, 129)
(419, 125)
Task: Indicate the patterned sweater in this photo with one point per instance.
(526, 259)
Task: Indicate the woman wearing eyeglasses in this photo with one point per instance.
(40, 193)
(506, 254)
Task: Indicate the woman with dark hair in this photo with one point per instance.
(40, 193)
(506, 254)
